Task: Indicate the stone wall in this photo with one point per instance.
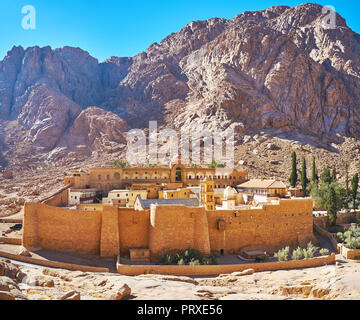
(133, 229)
(109, 242)
(59, 199)
(342, 218)
(135, 270)
(268, 228)
(164, 228)
(178, 227)
(59, 229)
(351, 254)
(53, 264)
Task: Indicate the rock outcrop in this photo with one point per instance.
(278, 70)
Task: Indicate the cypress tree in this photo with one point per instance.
(304, 179)
(315, 177)
(354, 189)
(334, 174)
(347, 184)
(331, 206)
(294, 176)
(326, 176)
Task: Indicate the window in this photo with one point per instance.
(178, 175)
(117, 176)
(99, 177)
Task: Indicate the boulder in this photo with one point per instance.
(271, 146)
(320, 293)
(24, 252)
(7, 174)
(122, 293)
(72, 295)
(21, 201)
(43, 282)
(6, 296)
(2, 268)
(243, 273)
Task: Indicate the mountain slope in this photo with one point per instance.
(277, 70)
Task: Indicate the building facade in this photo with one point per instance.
(108, 179)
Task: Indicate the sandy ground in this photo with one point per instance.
(336, 282)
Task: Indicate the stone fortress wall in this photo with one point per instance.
(112, 230)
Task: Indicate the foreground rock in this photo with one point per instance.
(72, 295)
(123, 293)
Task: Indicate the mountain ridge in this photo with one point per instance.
(276, 70)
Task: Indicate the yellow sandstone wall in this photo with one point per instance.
(212, 270)
(269, 228)
(178, 227)
(60, 229)
(109, 242)
(133, 229)
(59, 199)
(163, 228)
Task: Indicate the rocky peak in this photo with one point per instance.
(276, 70)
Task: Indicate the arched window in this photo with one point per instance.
(178, 175)
(117, 176)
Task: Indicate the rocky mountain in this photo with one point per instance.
(278, 71)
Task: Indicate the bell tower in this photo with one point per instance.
(207, 198)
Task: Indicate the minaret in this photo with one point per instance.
(207, 198)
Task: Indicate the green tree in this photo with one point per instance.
(354, 189)
(320, 192)
(347, 183)
(332, 206)
(334, 174)
(304, 180)
(326, 176)
(315, 177)
(347, 193)
(294, 175)
(214, 164)
(120, 164)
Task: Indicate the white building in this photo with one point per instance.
(82, 196)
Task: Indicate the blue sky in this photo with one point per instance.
(125, 28)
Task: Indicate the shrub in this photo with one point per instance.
(120, 164)
(188, 257)
(352, 243)
(324, 252)
(214, 259)
(194, 263)
(181, 262)
(283, 254)
(167, 259)
(340, 237)
(351, 238)
(310, 251)
(298, 254)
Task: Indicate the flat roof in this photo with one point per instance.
(263, 184)
(191, 202)
(83, 190)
